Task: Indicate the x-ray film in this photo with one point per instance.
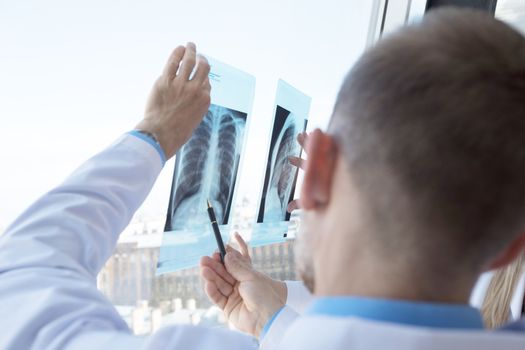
(290, 118)
(206, 168)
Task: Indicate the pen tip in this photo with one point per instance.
(209, 203)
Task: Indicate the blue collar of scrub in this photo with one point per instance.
(433, 315)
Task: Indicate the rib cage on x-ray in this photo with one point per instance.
(206, 168)
(278, 190)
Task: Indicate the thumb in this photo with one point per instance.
(237, 267)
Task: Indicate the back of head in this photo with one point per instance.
(431, 123)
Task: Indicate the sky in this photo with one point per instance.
(76, 75)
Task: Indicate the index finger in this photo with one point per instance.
(242, 244)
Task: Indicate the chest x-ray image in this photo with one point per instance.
(206, 168)
(290, 118)
(281, 176)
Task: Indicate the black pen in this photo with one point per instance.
(216, 231)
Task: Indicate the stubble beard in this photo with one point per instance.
(304, 259)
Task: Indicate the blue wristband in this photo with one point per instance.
(152, 141)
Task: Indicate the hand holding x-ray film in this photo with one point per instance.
(207, 166)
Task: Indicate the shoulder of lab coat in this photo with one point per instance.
(298, 297)
(313, 332)
(50, 257)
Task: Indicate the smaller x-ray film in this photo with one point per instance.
(290, 118)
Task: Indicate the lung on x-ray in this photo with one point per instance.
(206, 168)
(280, 176)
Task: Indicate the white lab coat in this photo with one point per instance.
(293, 330)
(299, 297)
(50, 256)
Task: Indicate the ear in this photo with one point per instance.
(319, 170)
(509, 254)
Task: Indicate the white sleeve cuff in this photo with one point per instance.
(278, 328)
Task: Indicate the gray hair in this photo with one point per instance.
(431, 122)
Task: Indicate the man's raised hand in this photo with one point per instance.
(177, 103)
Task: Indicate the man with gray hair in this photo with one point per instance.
(416, 189)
